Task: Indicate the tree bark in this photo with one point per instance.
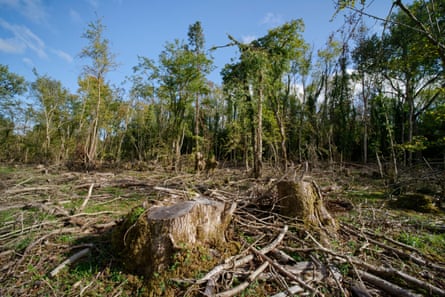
(258, 147)
(303, 200)
(147, 246)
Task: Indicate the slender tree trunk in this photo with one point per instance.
(410, 101)
(92, 150)
(121, 138)
(48, 137)
(177, 145)
(283, 145)
(258, 148)
(197, 148)
(365, 122)
(393, 151)
(300, 130)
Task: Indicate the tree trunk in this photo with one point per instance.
(147, 244)
(302, 200)
(258, 147)
(395, 173)
(197, 148)
(365, 122)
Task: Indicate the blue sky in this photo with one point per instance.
(46, 34)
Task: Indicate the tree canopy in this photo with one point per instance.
(374, 97)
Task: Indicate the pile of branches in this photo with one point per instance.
(290, 259)
(278, 256)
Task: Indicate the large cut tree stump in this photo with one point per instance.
(302, 200)
(147, 244)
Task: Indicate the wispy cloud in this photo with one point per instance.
(75, 16)
(272, 19)
(11, 46)
(33, 10)
(93, 3)
(22, 39)
(63, 55)
(28, 62)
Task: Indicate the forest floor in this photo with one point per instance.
(56, 226)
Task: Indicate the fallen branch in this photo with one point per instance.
(244, 284)
(25, 229)
(398, 251)
(360, 290)
(173, 192)
(246, 259)
(282, 270)
(385, 285)
(24, 190)
(87, 198)
(70, 260)
(393, 273)
(44, 237)
(384, 272)
(290, 291)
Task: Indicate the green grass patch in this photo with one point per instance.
(8, 215)
(65, 239)
(115, 191)
(430, 244)
(6, 170)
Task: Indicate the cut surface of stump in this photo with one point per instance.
(147, 245)
(302, 200)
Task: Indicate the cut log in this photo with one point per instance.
(147, 244)
(302, 200)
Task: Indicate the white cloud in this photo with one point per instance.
(11, 46)
(28, 62)
(272, 19)
(248, 39)
(33, 10)
(23, 38)
(63, 55)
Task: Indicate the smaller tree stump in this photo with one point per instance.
(147, 245)
(303, 200)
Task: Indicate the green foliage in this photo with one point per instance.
(95, 93)
(11, 85)
(419, 143)
(176, 80)
(11, 111)
(52, 113)
(301, 105)
(411, 239)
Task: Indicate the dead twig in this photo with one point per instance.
(284, 271)
(70, 260)
(245, 284)
(87, 198)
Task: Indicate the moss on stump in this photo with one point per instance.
(147, 241)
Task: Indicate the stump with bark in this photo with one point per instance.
(303, 200)
(148, 238)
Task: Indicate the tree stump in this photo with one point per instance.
(302, 200)
(147, 244)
